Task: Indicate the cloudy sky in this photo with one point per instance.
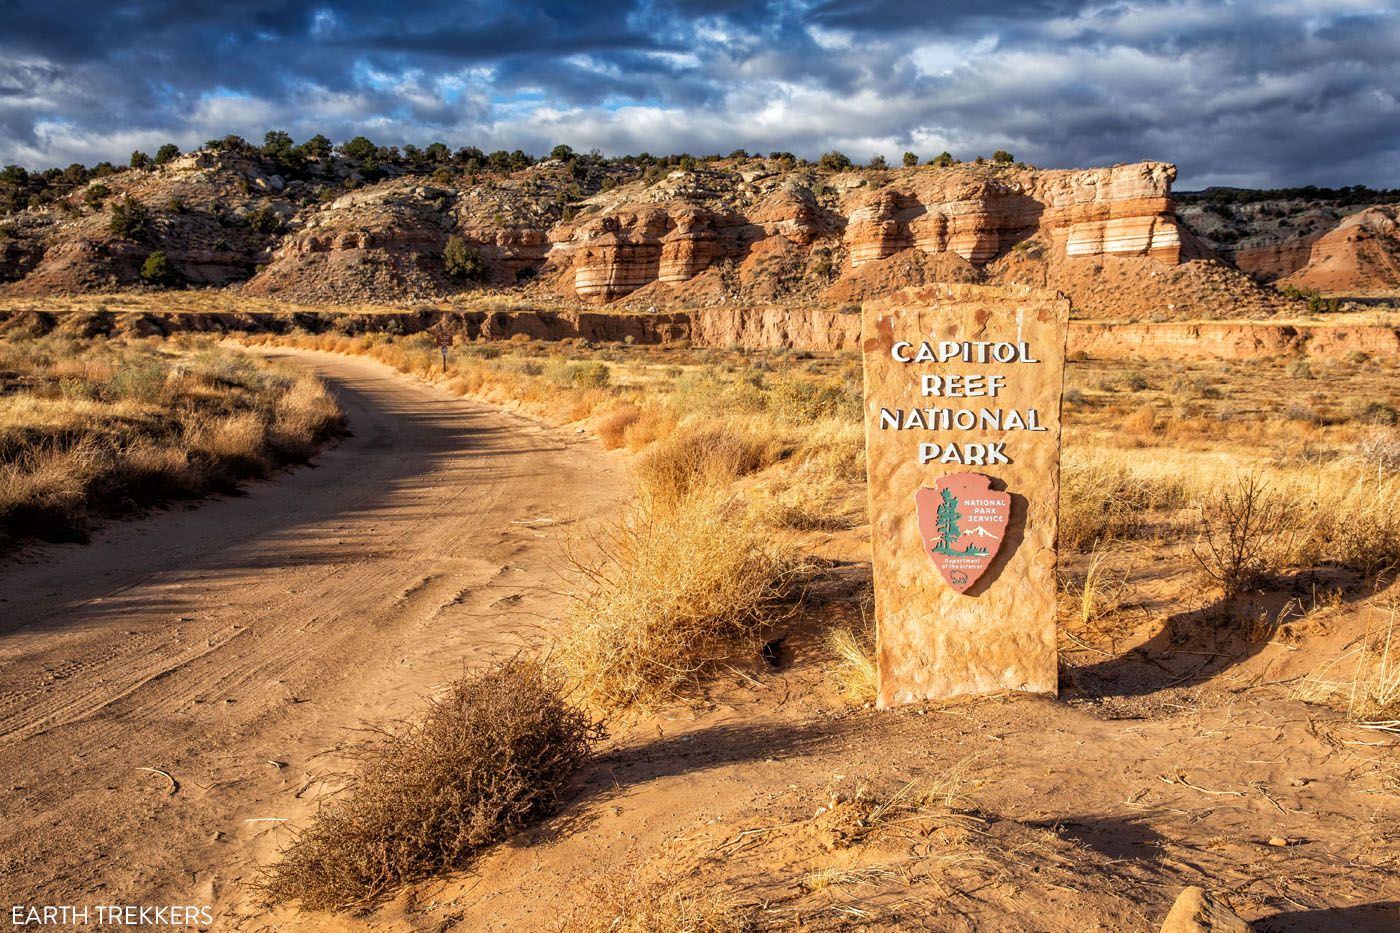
(1252, 92)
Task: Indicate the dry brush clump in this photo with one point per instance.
(703, 456)
(668, 591)
(495, 754)
(1243, 533)
(856, 670)
(1103, 497)
(101, 427)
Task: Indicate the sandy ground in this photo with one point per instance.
(235, 644)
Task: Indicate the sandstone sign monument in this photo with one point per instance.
(962, 415)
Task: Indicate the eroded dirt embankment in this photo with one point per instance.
(752, 328)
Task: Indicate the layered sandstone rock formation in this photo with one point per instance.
(746, 231)
(974, 214)
(388, 237)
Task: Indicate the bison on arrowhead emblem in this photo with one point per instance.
(962, 521)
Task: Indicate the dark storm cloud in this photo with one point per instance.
(1249, 92)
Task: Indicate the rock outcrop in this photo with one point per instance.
(746, 230)
(1333, 242)
(1360, 256)
(386, 238)
(973, 214)
(216, 218)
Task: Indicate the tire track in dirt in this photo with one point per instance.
(236, 644)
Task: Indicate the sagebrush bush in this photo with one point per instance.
(495, 754)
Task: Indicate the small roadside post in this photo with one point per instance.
(444, 342)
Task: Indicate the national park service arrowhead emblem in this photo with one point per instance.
(962, 522)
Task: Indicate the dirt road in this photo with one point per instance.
(233, 646)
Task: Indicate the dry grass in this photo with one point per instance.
(855, 672)
(1101, 591)
(1365, 680)
(495, 754)
(811, 500)
(669, 590)
(702, 456)
(1103, 498)
(89, 428)
(1301, 516)
(612, 427)
(932, 809)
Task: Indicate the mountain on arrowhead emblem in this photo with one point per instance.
(962, 521)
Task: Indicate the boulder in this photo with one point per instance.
(1197, 911)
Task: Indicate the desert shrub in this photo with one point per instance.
(1300, 369)
(653, 423)
(139, 378)
(1297, 411)
(591, 375)
(1240, 534)
(709, 394)
(96, 194)
(462, 260)
(236, 440)
(796, 399)
(159, 270)
(304, 418)
(671, 589)
(1380, 449)
(493, 755)
(265, 220)
(698, 457)
(1373, 412)
(1142, 422)
(834, 161)
(612, 426)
